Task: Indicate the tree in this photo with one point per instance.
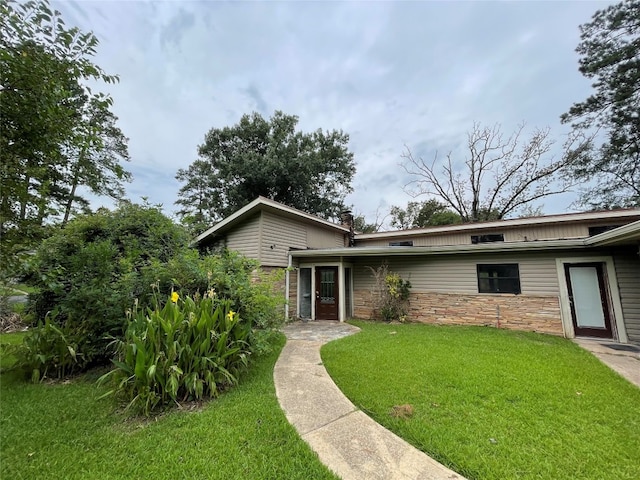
(51, 140)
(497, 178)
(422, 214)
(308, 171)
(361, 225)
(95, 154)
(610, 55)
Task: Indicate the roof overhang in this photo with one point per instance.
(621, 236)
(588, 217)
(625, 235)
(264, 204)
(440, 250)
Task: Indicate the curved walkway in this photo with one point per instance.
(345, 439)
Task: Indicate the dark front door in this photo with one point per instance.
(326, 293)
(588, 299)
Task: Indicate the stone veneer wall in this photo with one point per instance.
(516, 312)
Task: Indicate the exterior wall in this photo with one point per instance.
(293, 294)
(246, 238)
(458, 274)
(517, 312)
(513, 234)
(627, 265)
(445, 290)
(280, 234)
(318, 237)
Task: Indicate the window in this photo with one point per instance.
(598, 230)
(305, 292)
(502, 278)
(497, 237)
(407, 243)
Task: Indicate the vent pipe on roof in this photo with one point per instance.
(346, 220)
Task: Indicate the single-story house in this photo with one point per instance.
(574, 274)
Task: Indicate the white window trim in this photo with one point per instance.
(619, 331)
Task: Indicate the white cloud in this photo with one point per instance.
(389, 74)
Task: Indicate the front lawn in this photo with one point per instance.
(493, 404)
(62, 430)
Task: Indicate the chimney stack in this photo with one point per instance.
(346, 220)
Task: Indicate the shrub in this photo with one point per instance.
(48, 351)
(187, 350)
(390, 295)
(90, 272)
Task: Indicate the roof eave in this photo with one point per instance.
(539, 245)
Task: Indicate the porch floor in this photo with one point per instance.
(618, 356)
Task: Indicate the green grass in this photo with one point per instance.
(494, 404)
(64, 431)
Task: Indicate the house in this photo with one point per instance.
(573, 274)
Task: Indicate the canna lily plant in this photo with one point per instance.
(190, 348)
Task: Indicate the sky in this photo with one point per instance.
(390, 74)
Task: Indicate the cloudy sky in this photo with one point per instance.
(388, 73)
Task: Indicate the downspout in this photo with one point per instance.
(286, 287)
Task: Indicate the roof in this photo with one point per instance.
(624, 235)
(265, 204)
(626, 214)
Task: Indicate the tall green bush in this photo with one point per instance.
(95, 268)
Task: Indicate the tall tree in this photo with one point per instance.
(497, 178)
(95, 154)
(610, 55)
(44, 100)
(308, 171)
(422, 214)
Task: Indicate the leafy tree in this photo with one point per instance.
(610, 55)
(361, 225)
(51, 141)
(422, 214)
(308, 171)
(95, 154)
(498, 177)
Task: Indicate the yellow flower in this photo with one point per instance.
(175, 297)
(231, 314)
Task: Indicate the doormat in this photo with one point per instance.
(624, 348)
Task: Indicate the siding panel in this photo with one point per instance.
(279, 235)
(628, 272)
(457, 274)
(246, 238)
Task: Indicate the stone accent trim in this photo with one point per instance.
(534, 313)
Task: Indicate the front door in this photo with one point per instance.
(326, 293)
(588, 300)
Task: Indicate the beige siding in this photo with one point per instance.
(628, 272)
(519, 234)
(458, 274)
(545, 232)
(246, 238)
(318, 237)
(278, 236)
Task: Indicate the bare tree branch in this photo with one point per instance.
(500, 176)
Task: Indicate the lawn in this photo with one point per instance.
(494, 404)
(64, 431)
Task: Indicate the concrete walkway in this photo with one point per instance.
(345, 439)
(620, 357)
